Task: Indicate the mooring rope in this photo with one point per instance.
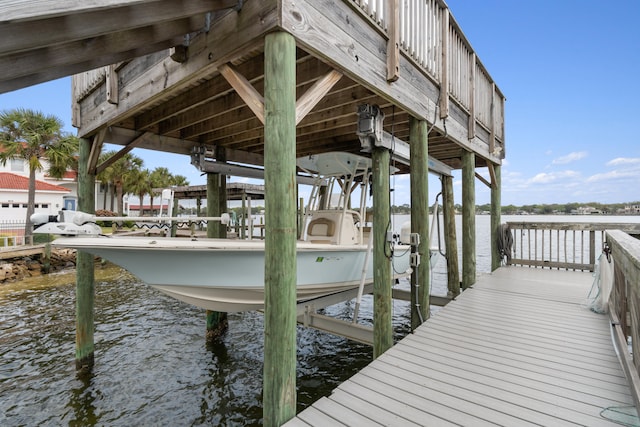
(505, 243)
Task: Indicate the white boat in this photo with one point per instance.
(228, 274)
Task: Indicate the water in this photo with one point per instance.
(153, 366)
(152, 363)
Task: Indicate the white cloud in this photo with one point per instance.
(624, 168)
(547, 178)
(614, 175)
(623, 161)
(571, 157)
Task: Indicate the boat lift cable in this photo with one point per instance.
(363, 277)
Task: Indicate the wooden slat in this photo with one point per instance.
(504, 352)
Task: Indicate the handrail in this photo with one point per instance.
(624, 304)
(432, 39)
(561, 245)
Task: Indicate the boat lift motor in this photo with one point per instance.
(67, 223)
(370, 128)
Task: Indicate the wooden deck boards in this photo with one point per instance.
(519, 348)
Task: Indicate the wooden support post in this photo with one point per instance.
(243, 221)
(212, 202)
(382, 302)
(174, 213)
(279, 381)
(420, 220)
(217, 322)
(496, 207)
(300, 217)
(222, 195)
(468, 219)
(450, 242)
(85, 288)
(46, 258)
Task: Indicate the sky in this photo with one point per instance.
(569, 70)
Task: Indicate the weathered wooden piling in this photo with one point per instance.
(382, 302)
(450, 241)
(46, 258)
(496, 206)
(279, 383)
(420, 220)
(468, 219)
(85, 288)
(217, 322)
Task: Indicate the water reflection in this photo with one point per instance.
(82, 402)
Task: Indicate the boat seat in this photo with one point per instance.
(321, 228)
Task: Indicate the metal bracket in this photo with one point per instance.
(370, 128)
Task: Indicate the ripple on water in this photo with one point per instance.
(153, 365)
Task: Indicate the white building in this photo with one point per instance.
(53, 199)
(14, 193)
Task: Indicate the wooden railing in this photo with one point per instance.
(624, 304)
(430, 36)
(561, 245)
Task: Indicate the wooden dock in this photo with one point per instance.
(519, 348)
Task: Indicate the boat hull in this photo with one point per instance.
(227, 275)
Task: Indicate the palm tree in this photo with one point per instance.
(179, 180)
(139, 183)
(30, 135)
(105, 178)
(160, 178)
(119, 176)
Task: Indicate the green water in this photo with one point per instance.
(153, 366)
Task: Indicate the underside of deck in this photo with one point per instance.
(519, 348)
(172, 76)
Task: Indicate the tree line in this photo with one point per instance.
(534, 209)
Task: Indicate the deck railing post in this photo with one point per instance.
(468, 219)
(420, 219)
(496, 258)
(279, 383)
(592, 249)
(85, 288)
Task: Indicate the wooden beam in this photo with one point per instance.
(393, 43)
(244, 88)
(482, 179)
(205, 53)
(492, 174)
(28, 24)
(112, 84)
(96, 148)
(315, 93)
(100, 50)
(111, 160)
